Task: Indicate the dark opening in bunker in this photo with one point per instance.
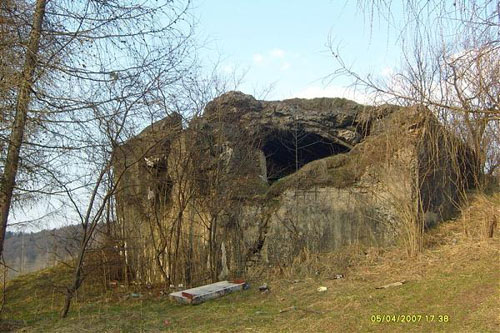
(288, 151)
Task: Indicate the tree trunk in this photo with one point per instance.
(8, 178)
(76, 283)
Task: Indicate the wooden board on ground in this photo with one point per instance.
(201, 294)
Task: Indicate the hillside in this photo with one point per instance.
(31, 251)
(452, 286)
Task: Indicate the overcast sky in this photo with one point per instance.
(285, 42)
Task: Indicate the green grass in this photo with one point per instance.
(459, 279)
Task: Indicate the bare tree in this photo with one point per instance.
(96, 59)
(450, 64)
(94, 84)
(8, 178)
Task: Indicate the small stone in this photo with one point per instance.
(322, 289)
(264, 287)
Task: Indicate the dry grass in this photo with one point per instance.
(458, 280)
(308, 264)
(481, 219)
(456, 275)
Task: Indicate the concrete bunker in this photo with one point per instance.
(341, 195)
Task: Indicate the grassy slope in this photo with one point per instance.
(454, 276)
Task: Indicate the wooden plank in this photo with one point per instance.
(210, 291)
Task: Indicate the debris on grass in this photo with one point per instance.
(264, 288)
(290, 308)
(203, 293)
(394, 284)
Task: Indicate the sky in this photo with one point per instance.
(284, 44)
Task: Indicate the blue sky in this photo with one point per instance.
(285, 43)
